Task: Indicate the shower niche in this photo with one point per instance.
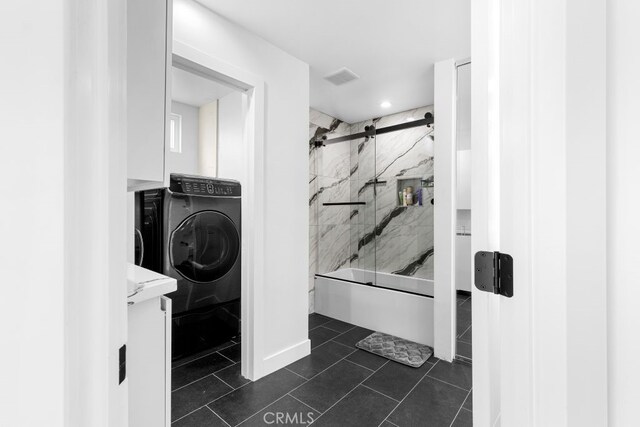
(414, 191)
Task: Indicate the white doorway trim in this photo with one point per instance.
(253, 247)
(445, 171)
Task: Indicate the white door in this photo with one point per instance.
(500, 206)
(539, 357)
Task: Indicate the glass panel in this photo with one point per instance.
(404, 209)
(329, 191)
(204, 247)
(363, 248)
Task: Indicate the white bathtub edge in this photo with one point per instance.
(396, 313)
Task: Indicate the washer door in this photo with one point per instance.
(204, 247)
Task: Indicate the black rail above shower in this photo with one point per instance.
(370, 131)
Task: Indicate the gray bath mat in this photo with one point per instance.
(394, 348)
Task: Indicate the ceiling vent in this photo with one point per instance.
(342, 76)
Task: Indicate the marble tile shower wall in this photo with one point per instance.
(329, 177)
(379, 235)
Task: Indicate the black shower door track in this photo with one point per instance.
(427, 121)
(324, 276)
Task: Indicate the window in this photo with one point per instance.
(175, 133)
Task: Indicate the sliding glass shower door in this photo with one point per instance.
(372, 187)
(363, 214)
(404, 198)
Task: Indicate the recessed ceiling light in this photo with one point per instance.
(385, 104)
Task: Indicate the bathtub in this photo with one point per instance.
(389, 303)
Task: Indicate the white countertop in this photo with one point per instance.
(143, 284)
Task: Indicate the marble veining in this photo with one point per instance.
(380, 235)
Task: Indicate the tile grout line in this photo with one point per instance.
(357, 364)
(232, 361)
(205, 376)
(412, 388)
(234, 389)
(228, 393)
(350, 391)
(344, 345)
(332, 330)
(207, 404)
(443, 381)
(262, 409)
(224, 381)
(373, 389)
(464, 359)
(464, 332)
(305, 404)
(459, 409)
(192, 382)
(186, 415)
(214, 413)
(316, 327)
(295, 373)
(324, 370)
(277, 400)
(344, 332)
(203, 356)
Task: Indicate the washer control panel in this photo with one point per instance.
(202, 186)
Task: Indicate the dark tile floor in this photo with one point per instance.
(463, 334)
(336, 385)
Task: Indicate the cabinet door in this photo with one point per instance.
(149, 362)
(165, 305)
(148, 71)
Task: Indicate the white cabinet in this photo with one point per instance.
(149, 363)
(149, 347)
(149, 41)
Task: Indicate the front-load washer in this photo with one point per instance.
(199, 219)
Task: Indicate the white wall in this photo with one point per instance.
(208, 139)
(286, 166)
(623, 209)
(231, 155)
(186, 161)
(31, 218)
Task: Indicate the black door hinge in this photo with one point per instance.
(494, 273)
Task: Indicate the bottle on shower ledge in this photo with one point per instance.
(408, 196)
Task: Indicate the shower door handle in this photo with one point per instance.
(375, 182)
(343, 203)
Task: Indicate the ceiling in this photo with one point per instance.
(391, 45)
(195, 90)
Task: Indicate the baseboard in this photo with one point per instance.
(285, 357)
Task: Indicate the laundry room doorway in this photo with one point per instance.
(216, 130)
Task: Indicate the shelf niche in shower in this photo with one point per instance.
(425, 185)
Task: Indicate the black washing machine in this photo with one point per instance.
(191, 232)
